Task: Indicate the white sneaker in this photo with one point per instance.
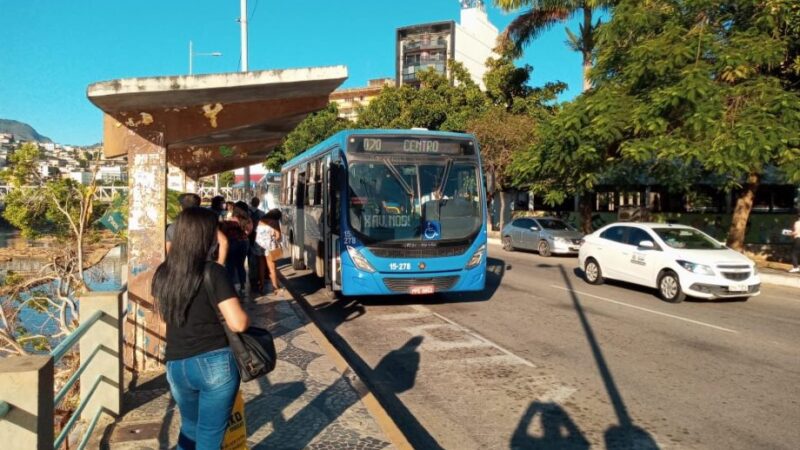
(794, 270)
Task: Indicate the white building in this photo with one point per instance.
(430, 45)
(113, 173)
(81, 176)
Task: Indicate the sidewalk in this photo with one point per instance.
(311, 400)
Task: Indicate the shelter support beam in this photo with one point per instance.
(147, 201)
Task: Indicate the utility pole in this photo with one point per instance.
(243, 23)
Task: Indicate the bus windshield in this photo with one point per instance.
(414, 201)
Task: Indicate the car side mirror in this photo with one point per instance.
(534, 229)
(647, 244)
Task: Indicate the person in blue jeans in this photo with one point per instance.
(202, 373)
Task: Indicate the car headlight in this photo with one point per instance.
(359, 260)
(477, 257)
(755, 269)
(700, 269)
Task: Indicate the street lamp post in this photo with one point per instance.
(192, 54)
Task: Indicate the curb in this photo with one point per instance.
(374, 407)
(780, 280)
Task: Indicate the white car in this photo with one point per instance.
(677, 260)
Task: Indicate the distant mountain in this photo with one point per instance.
(21, 131)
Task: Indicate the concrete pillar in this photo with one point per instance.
(144, 330)
(26, 384)
(105, 335)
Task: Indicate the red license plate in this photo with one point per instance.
(421, 290)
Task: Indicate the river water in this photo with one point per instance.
(107, 275)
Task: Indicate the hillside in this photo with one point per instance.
(21, 131)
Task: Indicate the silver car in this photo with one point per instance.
(547, 235)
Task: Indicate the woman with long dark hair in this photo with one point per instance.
(201, 370)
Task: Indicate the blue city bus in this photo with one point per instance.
(381, 212)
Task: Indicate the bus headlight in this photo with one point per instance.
(359, 260)
(477, 257)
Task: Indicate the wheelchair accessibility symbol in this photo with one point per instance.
(432, 231)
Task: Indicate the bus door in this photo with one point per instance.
(332, 202)
(299, 247)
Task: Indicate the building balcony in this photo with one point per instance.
(416, 46)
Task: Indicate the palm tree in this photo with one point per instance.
(543, 14)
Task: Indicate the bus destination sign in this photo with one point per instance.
(416, 145)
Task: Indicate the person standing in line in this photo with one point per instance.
(201, 369)
(186, 200)
(218, 206)
(220, 248)
(255, 260)
(229, 210)
(268, 236)
(796, 246)
(236, 230)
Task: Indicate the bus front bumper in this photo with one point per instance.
(358, 282)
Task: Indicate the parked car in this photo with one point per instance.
(547, 235)
(677, 260)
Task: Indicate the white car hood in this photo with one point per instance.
(712, 257)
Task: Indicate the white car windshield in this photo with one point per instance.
(687, 238)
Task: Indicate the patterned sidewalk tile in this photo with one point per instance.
(305, 403)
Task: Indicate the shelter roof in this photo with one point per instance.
(211, 123)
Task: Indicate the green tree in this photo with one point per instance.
(713, 83)
(509, 125)
(62, 208)
(501, 134)
(440, 103)
(542, 15)
(35, 205)
(227, 178)
(681, 88)
(312, 130)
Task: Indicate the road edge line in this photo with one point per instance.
(374, 407)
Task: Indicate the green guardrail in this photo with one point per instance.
(62, 349)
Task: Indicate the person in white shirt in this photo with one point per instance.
(796, 246)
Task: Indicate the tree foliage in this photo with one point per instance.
(681, 85)
(312, 130)
(440, 103)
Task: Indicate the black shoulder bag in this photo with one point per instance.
(254, 350)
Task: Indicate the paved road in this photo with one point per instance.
(543, 360)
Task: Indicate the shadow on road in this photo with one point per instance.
(395, 373)
(556, 429)
(626, 434)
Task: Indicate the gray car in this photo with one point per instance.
(547, 235)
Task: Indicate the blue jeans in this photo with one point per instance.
(204, 387)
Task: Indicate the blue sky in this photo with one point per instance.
(50, 51)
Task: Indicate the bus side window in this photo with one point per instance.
(318, 182)
(336, 180)
(310, 185)
(300, 192)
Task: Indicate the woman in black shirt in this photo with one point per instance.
(201, 371)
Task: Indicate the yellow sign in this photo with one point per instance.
(236, 435)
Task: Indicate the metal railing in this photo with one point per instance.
(27, 397)
(102, 194)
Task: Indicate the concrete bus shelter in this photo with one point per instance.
(203, 124)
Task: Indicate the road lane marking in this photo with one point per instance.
(696, 322)
(518, 358)
(402, 316)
